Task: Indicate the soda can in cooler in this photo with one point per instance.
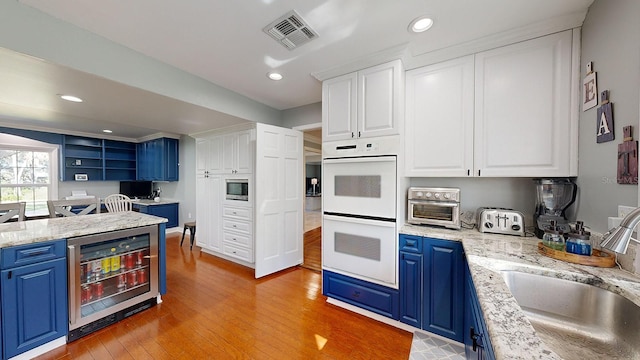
(98, 289)
(83, 272)
(122, 263)
(122, 282)
(96, 269)
(142, 276)
(115, 263)
(132, 279)
(129, 261)
(139, 257)
(106, 266)
(85, 296)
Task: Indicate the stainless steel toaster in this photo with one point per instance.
(500, 221)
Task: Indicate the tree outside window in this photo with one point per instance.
(25, 175)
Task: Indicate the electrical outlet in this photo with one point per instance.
(624, 210)
(189, 215)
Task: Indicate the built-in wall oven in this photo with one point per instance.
(359, 230)
(111, 276)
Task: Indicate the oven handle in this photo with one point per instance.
(438, 203)
(356, 220)
(72, 284)
(364, 159)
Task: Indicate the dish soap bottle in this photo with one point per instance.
(579, 242)
(553, 236)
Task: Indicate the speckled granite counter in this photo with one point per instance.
(511, 333)
(26, 232)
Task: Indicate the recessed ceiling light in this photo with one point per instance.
(107, 131)
(423, 23)
(71, 98)
(274, 76)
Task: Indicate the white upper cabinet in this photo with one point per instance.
(237, 153)
(506, 112)
(524, 116)
(209, 155)
(366, 103)
(439, 127)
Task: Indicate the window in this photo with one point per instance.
(27, 174)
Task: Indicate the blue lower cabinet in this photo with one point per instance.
(477, 345)
(34, 305)
(432, 285)
(167, 211)
(443, 311)
(373, 297)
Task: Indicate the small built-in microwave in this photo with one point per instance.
(237, 189)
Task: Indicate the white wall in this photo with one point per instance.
(302, 115)
(611, 40)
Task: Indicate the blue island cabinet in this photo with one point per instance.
(477, 345)
(33, 291)
(432, 285)
(158, 160)
(167, 211)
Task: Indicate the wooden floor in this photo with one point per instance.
(313, 249)
(215, 309)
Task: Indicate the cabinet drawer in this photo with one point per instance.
(234, 212)
(32, 253)
(237, 225)
(238, 239)
(237, 252)
(376, 298)
(411, 243)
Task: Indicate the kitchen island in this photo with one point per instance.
(62, 278)
(511, 334)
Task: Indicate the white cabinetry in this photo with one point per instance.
(237, 231)
(366, 103)
(439, 127)
(237, 153)
(210, 190)
(520, 119)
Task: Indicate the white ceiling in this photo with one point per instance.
(222, 41)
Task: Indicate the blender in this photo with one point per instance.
(553, 198)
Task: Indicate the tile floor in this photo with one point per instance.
(425, 347)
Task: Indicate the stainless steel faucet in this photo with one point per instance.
(618, 238)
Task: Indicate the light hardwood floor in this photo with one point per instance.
(215, 309)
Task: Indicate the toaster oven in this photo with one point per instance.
(434, 206)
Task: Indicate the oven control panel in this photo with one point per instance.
(434, 194)
(501, 221)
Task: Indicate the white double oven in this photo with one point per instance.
(359, 230)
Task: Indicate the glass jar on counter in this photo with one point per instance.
(579, 241)
(553, 237)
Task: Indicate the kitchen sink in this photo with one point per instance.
(576, 320)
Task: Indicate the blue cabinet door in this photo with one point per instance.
(477, 345)
(167, 211)
(158, 160)
(443, 311)
(373, 297)
(411, 288)
(34, 305)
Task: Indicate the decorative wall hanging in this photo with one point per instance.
(628, 158)
(589, 89)
(604, 128)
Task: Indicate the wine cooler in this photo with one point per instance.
(111, 276)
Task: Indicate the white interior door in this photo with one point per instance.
(279, 200)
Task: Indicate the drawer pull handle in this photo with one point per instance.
(356, 294)
(234, 213)
(234, 226)
(36, 252)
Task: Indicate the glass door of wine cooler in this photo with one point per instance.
(110, 272)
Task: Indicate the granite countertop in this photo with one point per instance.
(511, 333)
(32, 231)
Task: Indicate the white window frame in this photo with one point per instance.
(12, 142)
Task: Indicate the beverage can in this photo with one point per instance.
(106, 266)
(122, 262)
(122, 282)
(115, 263)
(132, 279)
(96, 269)
(139, 257)
(98, 289)
(142, 276)
(129, 261)
(83, 272)
(85, 296)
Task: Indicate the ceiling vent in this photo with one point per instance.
(290, 30)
